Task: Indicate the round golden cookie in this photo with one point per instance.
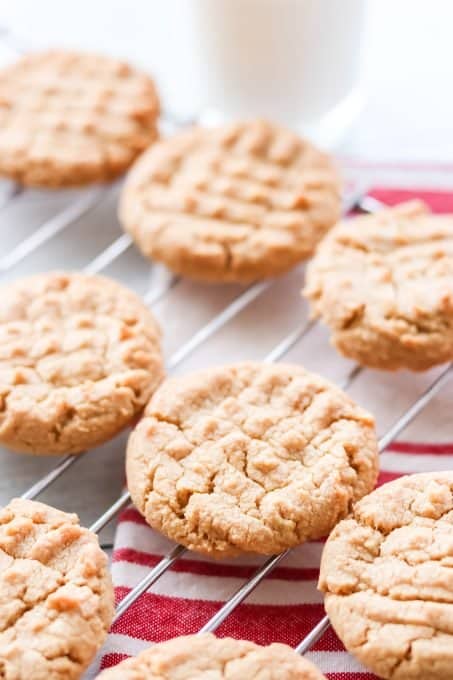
(70, 118)
(205, 657)
(234, 203)
(384, 285)
(56, 594)
(79, 358)
(249, 457)
(387, 572)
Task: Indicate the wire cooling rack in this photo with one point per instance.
(202, 325)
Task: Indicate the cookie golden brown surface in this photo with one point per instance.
(387, 575)
(383, 283)
(70, 118)
(235, 203)
(249, 457)
(56, 595)
(205, 657)
(79, 358)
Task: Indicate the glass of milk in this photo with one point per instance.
(294, 61)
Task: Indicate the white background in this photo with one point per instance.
(407, 62)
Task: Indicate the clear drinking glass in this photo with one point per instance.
(295, 61)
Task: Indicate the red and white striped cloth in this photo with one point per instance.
(286, 605)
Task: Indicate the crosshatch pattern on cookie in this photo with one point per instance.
(233, 203)
(69, 118)
(387, 575)
(384, 285)
(249, 458)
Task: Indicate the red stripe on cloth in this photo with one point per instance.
(421, 447)
(385, 477)
(329, 642)
(348, 676)
(110, 660)
(130, 514)
(156, 618)
(438, 201)
(265, 624)
(211, 568)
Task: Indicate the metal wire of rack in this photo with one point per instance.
(61, 221)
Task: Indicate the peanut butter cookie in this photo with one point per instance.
(384, 285)
(69, 118)
(235, 203)
(205, 657)
(79, 358)
(249, 458)
(56, 595)
(387, 572)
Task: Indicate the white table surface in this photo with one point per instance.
(408, 61)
